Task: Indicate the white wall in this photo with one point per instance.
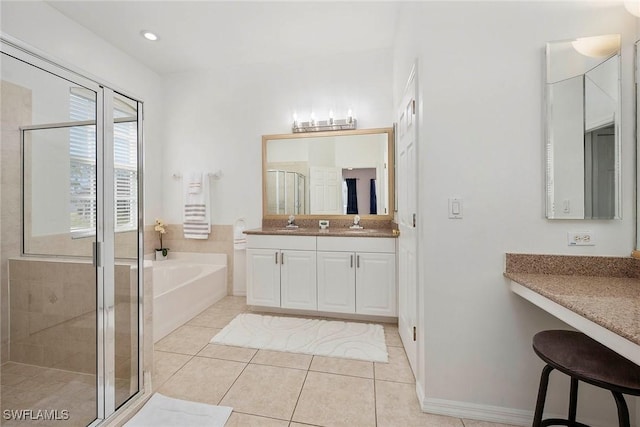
(215, 120)
(481, 138)
(47, 30)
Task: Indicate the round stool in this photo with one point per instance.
(583, 359)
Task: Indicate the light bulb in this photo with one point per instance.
(598, 46)
(149, 35)
(349, 116)
(312, 119)
(330, 117)
(295, 120)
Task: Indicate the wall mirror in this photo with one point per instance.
(583, 128)
(328, 174)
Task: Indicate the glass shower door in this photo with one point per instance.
(126, 114)
(49, 166)
(70, 163)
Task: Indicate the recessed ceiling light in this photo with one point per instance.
(149, 35)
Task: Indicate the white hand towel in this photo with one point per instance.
(196, 213)
(195, 183)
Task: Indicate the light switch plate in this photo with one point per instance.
(455, 208)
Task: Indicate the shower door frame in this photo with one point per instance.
(104, 247)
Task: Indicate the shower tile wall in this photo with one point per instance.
(15, 111)
(53, 315)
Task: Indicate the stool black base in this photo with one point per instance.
(587, 361)
(623, 410)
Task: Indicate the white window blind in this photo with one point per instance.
(82, 152)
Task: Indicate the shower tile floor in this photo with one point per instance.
(38, 388)
(269, 388)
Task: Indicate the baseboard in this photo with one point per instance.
(474, 411)
(239, 293)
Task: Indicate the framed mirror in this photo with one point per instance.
(328, 174)
(583, 128)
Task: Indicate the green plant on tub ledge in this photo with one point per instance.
(162, 252)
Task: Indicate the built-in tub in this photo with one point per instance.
(183, 286)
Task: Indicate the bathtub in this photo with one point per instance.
(183, 286)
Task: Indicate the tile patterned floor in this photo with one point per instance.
(37, 388)
(270, 388)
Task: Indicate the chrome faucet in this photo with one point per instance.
(291, 222)
(356, 222)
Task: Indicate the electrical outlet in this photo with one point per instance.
(580, 238)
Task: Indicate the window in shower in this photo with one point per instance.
(83, 172)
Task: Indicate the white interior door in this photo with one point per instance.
(326, 193)
(407, 172)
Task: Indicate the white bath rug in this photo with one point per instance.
(163, 411)
(351, 340)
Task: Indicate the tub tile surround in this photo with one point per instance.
(220, 241)
(605, 290)
(268, 388)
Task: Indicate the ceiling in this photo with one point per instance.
(208, 34)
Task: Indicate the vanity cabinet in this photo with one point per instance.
(351, 275)
(336, 282)
(357, 275)
(263, 272)
(281, 272)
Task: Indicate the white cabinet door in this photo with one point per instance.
(336, 282)
(263, 277)
(298, 279)
(376, 284)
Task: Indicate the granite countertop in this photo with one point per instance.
(333, 232)
(611, 302)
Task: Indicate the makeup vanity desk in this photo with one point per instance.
(599, 296)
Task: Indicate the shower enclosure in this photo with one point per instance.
(286, 192)
(71, 244)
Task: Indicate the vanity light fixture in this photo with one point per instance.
(149, 35)
(633, 6)
(598, 46)
(313, 125)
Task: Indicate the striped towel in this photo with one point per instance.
(195, 183)
(196, 214)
